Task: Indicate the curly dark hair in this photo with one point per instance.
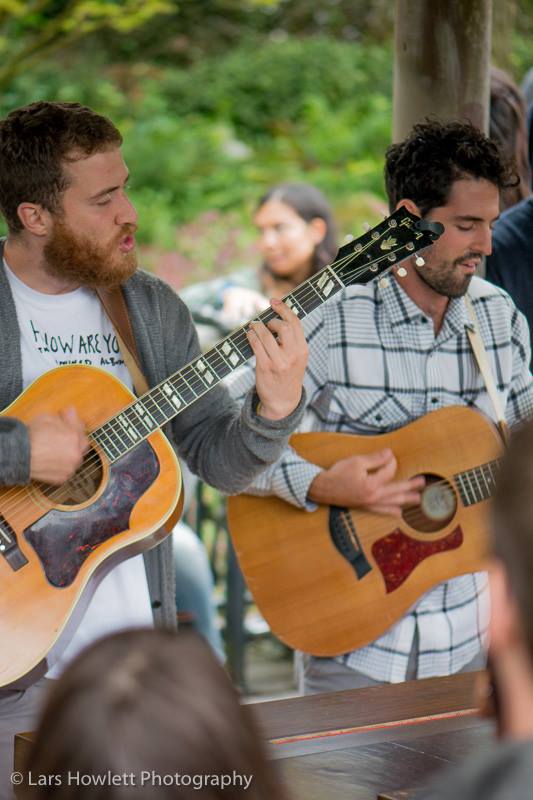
(35, 141)
(424, 166)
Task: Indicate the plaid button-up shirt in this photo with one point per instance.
(375, 365)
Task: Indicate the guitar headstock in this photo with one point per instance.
(400, 236)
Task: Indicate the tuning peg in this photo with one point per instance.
(348, 238)
(384, 282)
(401, 272)
(366, 226)
(419, 261)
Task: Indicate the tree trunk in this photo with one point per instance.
(442, 62)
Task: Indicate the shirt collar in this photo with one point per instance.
(401, 310)
(399, 307)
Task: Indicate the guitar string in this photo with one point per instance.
(53, 492)
(193, 379)
(470, 493)
(96, 460)
(268, 315)
(413, 514)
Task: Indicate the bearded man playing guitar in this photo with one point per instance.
(63, 194)
(383, 355)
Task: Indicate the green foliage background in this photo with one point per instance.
(219, 99)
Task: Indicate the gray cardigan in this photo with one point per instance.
(225, 446)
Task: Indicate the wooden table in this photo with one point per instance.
(357, 745)
(382, 741)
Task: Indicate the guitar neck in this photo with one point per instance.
(168, 399)
(477, 484)
(399, 236)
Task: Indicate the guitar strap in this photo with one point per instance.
(480, 353)
(117, 311)
(115, 306)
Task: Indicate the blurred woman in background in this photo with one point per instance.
(296, 238)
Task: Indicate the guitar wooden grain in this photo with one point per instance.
(33, 613)
(306, 590)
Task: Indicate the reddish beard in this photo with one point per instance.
(82, 261)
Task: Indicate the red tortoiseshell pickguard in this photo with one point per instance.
(398, 554)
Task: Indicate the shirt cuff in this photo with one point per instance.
(272, 428)
(14, 452)
(291, 483)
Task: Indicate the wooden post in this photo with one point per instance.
(442, 62)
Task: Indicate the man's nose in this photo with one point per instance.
(483, 241)
(127, 213)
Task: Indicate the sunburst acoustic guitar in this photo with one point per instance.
(332, 580)
(56, 542)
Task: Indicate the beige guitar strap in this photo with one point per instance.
(480, 353)
(139, 381)
(115, 306)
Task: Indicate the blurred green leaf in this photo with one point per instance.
(30, 31)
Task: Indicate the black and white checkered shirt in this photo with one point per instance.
(375, 365)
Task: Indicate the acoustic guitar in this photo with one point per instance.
(56, 543)
(332, 580)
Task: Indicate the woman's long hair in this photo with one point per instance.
(150, 704)
(508, 127)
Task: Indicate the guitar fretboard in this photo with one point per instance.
(476, 484)
(397, 237)
(162, 403)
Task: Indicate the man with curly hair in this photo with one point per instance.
(382, 355)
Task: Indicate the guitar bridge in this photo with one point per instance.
(9, 546)
(344, 537)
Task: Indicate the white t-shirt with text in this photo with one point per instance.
(73, 328)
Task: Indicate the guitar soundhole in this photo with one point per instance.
(437, 507)
(81, 486)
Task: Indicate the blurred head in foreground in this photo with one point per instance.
(154, 714)
(511, 627)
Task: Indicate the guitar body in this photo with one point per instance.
(331, 581)
(56, 543)
(68, 538)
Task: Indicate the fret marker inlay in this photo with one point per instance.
(205, 374)
(128, 427)
(326, 285)
(144, 416)
(172, 395)
(292, 305)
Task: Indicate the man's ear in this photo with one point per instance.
(409, 205)
(504, 625)
(35, 219)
